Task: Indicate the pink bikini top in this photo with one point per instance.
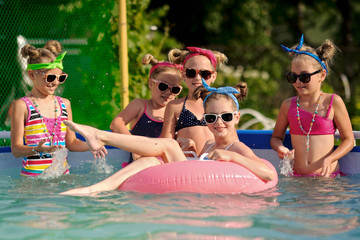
(321, 126)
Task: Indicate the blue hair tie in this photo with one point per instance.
(296, 50)
(221, 90)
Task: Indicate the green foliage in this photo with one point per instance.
(100, 73)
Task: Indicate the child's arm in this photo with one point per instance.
(186, 144)
(132, 112)
(278, 135)
(243, 155)
(74, 144)
(343, 124)
(168, 130)
(18, 118)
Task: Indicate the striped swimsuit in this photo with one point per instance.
(37, 128)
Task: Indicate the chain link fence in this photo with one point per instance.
(87, 61)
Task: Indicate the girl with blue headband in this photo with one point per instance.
(37, 120)
(221, 115)
(312, 116)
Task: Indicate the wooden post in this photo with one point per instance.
(123, 55)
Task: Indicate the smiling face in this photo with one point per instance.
(218, 106)
(172, 78)
(307, 65)
(40, 86)
(198, 62)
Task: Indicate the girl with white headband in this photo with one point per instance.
(221, 115)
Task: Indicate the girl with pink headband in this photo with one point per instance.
(184, 117)
(146, 116)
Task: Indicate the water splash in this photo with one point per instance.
(99, 165)
(58, 166)
(286, 165)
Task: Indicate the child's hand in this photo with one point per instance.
(283, 151)
(100, 153)
(186, 144)
(326, 168)
(43, 148)
(290, 155)
(221, 155)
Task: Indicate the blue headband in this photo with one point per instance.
(296, 50)
(230, 91)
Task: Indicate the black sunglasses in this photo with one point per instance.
(304, 77)
(49, 78)
(163, 86)
(191, 73)
(212, 118)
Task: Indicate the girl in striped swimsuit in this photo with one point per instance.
(37, 127)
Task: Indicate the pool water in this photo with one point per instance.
(299, 208)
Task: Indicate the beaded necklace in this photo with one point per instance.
(49, 135)
(311, 123)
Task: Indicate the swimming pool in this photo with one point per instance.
(301, 208)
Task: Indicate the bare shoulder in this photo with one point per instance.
(19, 103)
(138, 103)
(239, 146)
(176, 104)
(337, 99)
(285, 105)
(19, 109)
(287, 102)
(243, 149)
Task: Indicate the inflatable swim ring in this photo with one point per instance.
(197, 176)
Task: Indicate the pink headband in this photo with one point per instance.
(165, 64)
(198, 51)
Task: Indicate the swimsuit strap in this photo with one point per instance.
(331, 103)
(184, 103)
(145, 106)
(209, 148)
(231, 144)
(224, 149)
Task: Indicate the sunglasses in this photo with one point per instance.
(191, 73)
(212, 118)
(304, 78)
(49, 78)
(163, 87)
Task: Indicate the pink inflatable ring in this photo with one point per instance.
(198, 176)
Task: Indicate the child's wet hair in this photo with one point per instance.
(178, 56)
(150, 59)
(202, 92)
(46, 54)
(325, 52)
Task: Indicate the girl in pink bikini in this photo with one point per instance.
(312, 116)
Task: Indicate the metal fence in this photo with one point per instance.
(87, 59)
